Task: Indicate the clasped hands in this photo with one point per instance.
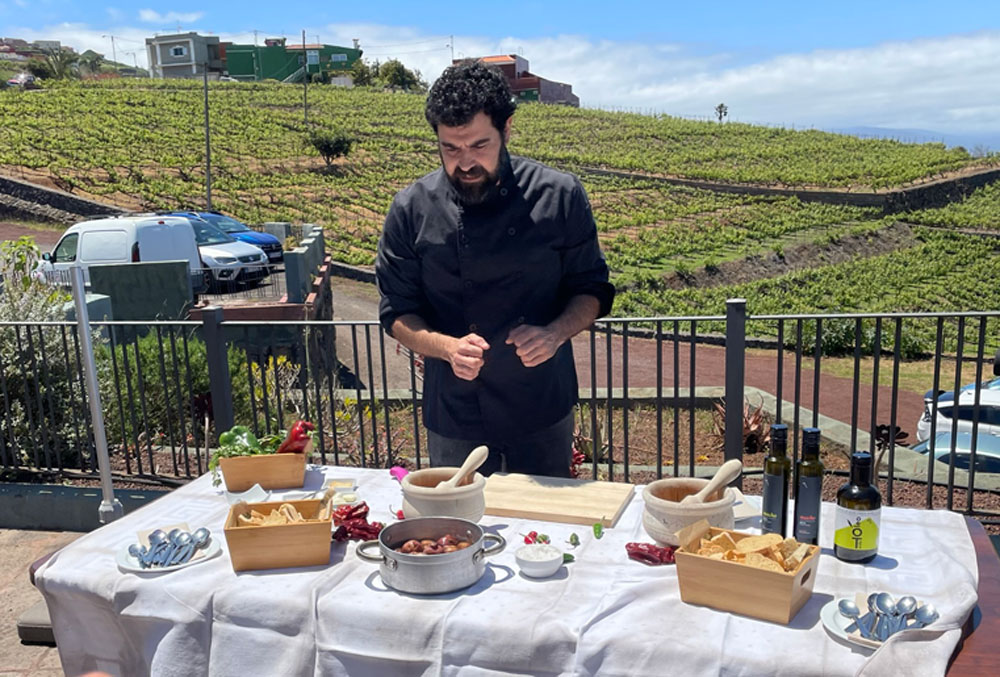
(534, 346)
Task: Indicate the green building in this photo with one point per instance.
(279, 60)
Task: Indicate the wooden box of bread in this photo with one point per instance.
(270, 471)
(275, 535)
(766, 577)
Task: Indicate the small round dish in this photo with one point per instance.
(539, 560)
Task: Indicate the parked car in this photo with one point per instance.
(229, 260)
(123, 239)
(962, 410)
(23, 80)
(268, 243)
(987, 450)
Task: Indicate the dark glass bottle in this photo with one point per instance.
(809, 489)
(859, 510)
(777, 468)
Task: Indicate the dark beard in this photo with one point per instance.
(484, 190)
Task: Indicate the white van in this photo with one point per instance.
(124, 239)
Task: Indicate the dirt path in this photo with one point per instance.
(46, 238)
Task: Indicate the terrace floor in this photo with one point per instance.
(18, 549)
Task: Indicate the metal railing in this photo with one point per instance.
(647, 391)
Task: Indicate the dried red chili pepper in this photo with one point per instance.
(650, 554)
(357, 530)
(344, 513)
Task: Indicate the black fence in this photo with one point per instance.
(658, 396)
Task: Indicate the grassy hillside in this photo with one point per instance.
(140, 144)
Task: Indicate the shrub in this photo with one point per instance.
(331, 145)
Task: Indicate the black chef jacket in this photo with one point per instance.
(516, 259)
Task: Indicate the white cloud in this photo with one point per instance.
(154, 17)
(114, 14)
(947, 84)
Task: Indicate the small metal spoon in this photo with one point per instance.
(905, 608)
(200, 537)
(183, 551)
(887, 608)
(139, 552)
(925, 615)
(157, 539)
(850, 610)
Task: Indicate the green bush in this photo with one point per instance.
(129, 411)
(331, 145)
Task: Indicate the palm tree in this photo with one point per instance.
(91, 61)
(62, 64)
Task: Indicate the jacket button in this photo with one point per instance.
(503, 192)
(473, 327)
(520, 320)
(511, 231)
(468, 283)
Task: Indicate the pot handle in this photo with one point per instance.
(499, 544)
(377, 559)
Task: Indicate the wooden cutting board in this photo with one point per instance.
(556, 499)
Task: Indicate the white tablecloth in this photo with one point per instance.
(601, 615)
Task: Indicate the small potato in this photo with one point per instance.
(462, 545)
(427, 542)
(411, 545)
(450, 548)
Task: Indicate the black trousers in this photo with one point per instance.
(548, 451)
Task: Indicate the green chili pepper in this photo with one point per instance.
(598, 530)
(567, 558)
(574, 540)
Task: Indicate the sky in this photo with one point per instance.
(926, 70)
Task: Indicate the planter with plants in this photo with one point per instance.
(274, 462)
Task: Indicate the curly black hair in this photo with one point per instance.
(466, 89)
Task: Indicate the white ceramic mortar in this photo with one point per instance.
(421, 498)
(664, 515)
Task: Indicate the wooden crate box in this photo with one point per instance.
(276, 546)
(739, 588)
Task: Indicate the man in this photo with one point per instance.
(488, 267)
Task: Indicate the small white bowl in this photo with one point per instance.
(539, 560)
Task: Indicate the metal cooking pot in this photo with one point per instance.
(431, 574)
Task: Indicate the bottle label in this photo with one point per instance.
(807, 500)
(773, 504)
(856, 532)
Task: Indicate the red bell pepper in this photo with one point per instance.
(297, 439)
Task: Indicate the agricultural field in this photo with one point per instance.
(672, 249)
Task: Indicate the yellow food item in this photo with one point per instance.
(758, 543)
(283, 514)
(769, 551)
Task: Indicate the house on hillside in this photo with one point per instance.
(186, 55)
(289, 62)
(527, 86)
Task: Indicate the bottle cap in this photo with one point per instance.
(779, 432)
(861, 458)
(810, 436)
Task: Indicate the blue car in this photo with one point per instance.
(269, 243)
(987, 450)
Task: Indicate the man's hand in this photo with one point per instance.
(534, 344)
(466, 356)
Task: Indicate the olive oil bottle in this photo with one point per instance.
(809, 489)
(777, 468)
(859, 510)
